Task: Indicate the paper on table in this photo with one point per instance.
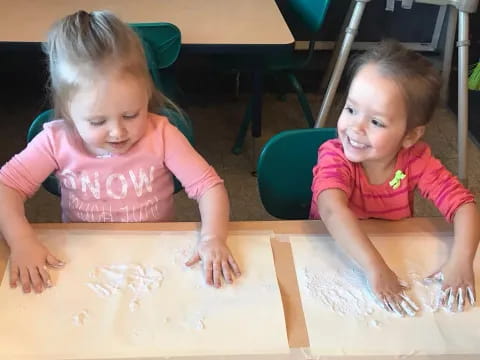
(181, 317)
(336, 301)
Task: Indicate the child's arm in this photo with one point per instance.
(345, 229)
(211, 249)
(28, 256)
(458, 276)
(456, 203)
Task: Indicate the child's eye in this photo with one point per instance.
(377, 123)
(349, 109)
(97, 123)
(130, 116)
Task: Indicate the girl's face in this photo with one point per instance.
(373, 124)
(111, 112)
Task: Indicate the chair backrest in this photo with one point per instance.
(161, 43)
(284, 171)
(311, 12)
(179, 120)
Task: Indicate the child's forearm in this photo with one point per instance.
(345, 229)
(14, 226)
(467, 233)
(215, 213)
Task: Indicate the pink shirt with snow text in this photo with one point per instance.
(133, 187)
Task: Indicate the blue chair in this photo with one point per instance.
(284, 171)
(311, 13)
(180, 120)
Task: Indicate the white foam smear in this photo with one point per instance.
(346, 292)
(80, 318)
(341, 292)
(110, 280)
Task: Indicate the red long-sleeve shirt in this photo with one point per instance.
(382, 201)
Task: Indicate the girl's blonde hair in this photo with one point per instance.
(417, 78)
(84, 45)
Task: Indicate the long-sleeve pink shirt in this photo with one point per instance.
(133, 187)
(383, 201)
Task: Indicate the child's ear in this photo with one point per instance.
(412, 136)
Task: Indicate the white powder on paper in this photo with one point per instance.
(194, 321)
(428, 295)
(344, 293)
(80, 318)
(109, 280)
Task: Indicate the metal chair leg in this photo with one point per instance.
(350, 33)
(462, 45)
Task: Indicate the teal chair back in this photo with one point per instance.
(161, 43)
(284, 171)
(310, 12)
(179, 120)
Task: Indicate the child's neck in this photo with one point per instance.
(379, 172)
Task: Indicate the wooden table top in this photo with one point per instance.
(205, 22)
(294, 317)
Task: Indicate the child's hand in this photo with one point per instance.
(390, 291)
(458, 285)
(28, 264)
(217, 262)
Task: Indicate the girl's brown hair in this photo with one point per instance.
(83, 45)
(419, 81)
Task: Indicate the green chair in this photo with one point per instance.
(284, 171)
(161, 43)
(180, 120)
(311, 13)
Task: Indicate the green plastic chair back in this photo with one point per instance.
(161, 43)
(284, 171)
(311, 12)
(179, 120)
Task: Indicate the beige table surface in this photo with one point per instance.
(296, 328)
(212, 22)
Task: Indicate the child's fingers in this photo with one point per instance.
(460, 299)
(234, 266)
(25, 280)
(227, 274)
(54, 262)
(410, 302)
(45, 276)
(14, 275)
(393, 304)
(471, 295)
(217, 274)
(36, 280)
(208, 272)
(193, 260)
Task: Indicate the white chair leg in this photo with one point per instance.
(448, 50)
(350, 34)
(462, 45)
